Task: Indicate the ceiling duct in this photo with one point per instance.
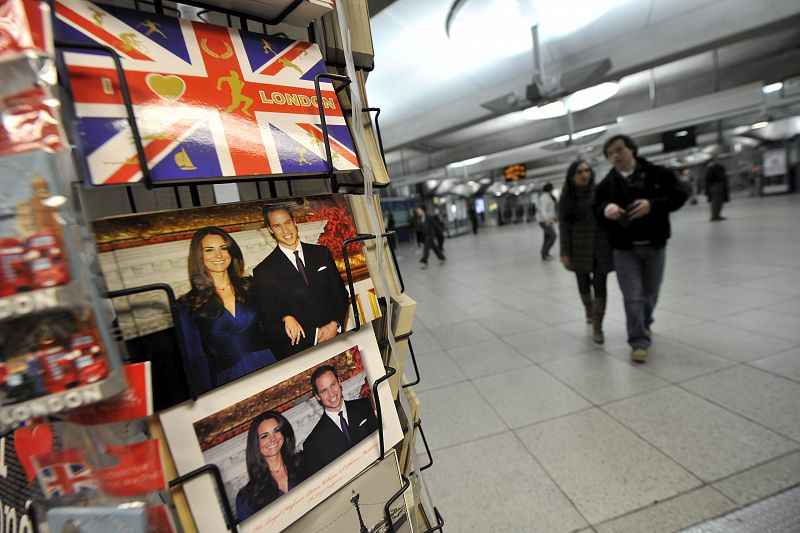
(713, 106)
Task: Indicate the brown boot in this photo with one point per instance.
(598, 312)
(587, 304)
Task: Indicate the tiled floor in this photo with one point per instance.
(534, 428)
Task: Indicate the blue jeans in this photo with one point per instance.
(639, 272)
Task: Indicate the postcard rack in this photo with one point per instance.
(331, 178)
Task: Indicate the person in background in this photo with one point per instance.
(429, 232)
(716, 188)
(633, 203)
(391, 225)
(273, 466)
(547, 219)
(473, 219)
(584, 243)
(438, 223)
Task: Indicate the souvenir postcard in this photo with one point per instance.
(245, 299)
(360, 505)
(285, 438)
(210, 101)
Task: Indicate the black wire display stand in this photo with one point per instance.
(328, 174)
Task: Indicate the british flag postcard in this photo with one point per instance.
(210, 102)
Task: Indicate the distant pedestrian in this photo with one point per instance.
(716, 189)
(584, 243)
(439, 224)
(391, 227)
(547, 219)
(473, 219)
(429, 231)
(633, 202)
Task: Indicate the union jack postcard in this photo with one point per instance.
(210, 102)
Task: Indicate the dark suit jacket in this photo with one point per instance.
(281, 291)
(326, 441)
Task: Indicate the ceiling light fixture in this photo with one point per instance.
(551, 110)
(467, 162)
(590, 131)
(591, 96)
(577, 101)
(772, 88)
(759, 125)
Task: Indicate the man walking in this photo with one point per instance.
(716, 189)
(429, 231)
(633, 203)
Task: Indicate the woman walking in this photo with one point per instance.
(584, 244)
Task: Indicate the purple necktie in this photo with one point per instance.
(300, 266)
(345, 427)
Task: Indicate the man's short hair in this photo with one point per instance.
(319, 372)
(625, 139)
(266, 209)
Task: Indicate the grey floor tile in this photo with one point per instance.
(614, 331)
(528, 395)
(547, 344)
(666, 320)
(506, 491)
(461, 333)
(440, 315)
(423, 341)
(486, 358)
(436, 370)
(767, 399)
(485, 309)
(734, 343)
(708, 440)
(767, 322)
(749, 296)
(763, 480)
(457, 414)
(604, 468)
(788, 307)
(786, 364)
(509, 323)
(550, 312)
(785, 283)
(674, 514)
(674, 361)
(703, 307)
(602, 378)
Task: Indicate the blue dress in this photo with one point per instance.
(223, 349)
(243, 509)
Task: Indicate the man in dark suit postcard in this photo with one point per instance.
(342, 425)
(303, 300)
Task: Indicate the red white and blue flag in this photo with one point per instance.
(63, 473)
(210, 101)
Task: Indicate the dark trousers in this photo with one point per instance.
(549, 238)
(430, 244)
(592, 280)
(716, 195)
(640, 272)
